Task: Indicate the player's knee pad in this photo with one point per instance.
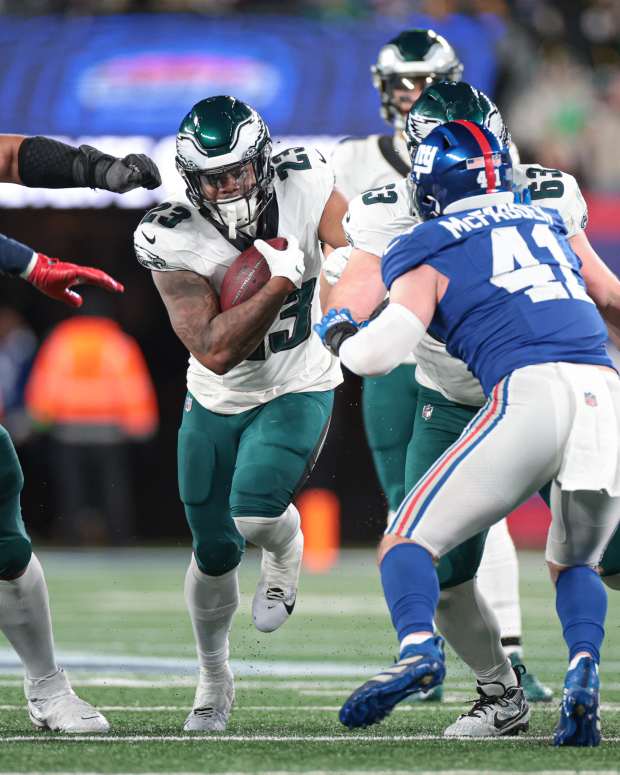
(264, 489)
(270, 533)
(218, 555)
(612, 581)
(15, 554)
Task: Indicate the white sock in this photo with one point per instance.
(26, 621)
(415, 638)
(212, 602)
(498, 581)
(472, 630)
(275, 534)
(576, 659)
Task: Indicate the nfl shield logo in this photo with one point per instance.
(188, 404)
(427, 412)
(590, 399)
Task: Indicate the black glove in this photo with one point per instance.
(100, 170)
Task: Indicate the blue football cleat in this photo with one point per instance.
(580, 722)
(418, 668)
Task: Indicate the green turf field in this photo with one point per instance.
(120, 619)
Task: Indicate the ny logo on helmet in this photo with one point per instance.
(424, 158)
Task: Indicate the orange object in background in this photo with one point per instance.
(90, 372)
(320, 522)
(91, 390)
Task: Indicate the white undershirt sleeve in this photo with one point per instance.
(384, 343)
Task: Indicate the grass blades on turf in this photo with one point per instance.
(123, 613)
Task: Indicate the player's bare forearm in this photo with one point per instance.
(360, 288)
(601, 283)
(218, 340)
(9, 158)
(236, 333)
(330, 226)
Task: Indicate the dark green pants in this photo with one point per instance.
(245, 465)
(438, 424)
(389, 407)
(15, 547)
(610, 564)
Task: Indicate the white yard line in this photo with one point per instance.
(248, 668)
(608, 707)
(203, 739)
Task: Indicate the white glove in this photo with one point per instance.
(334, 265)
(287, 263)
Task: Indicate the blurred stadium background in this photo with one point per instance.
(121, 73)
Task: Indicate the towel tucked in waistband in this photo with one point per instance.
(591, 453)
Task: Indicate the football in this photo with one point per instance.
(246, 275)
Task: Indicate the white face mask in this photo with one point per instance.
(237, 214)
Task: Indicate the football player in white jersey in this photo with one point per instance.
(260, 386)
(406, 65)
(413, 60)
(449, 395)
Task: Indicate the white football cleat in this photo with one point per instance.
(52, 704)
(276, 592)
(497, 712)
(212, 703)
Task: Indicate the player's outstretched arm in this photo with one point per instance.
(9, 150)
(601, 283)
(387, 340)
(330, 226)
(49, 275)
(218, 340)
(360, 287)
(41, 162)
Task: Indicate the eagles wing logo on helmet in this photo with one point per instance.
(449, 101)
(415, 54)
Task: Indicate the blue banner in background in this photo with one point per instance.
(139, 74)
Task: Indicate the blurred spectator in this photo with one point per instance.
(551, 113)
(18, 345)
(596, 148)
(90, 385)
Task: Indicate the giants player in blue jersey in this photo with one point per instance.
(499, 283)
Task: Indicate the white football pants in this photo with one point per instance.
(556, 422)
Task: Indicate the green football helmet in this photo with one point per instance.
(223, 153)
(414, 56)
(449, 101)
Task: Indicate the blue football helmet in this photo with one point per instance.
(457, 160)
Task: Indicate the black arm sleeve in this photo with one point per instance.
(46, 163)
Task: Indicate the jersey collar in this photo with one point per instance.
(482, 200)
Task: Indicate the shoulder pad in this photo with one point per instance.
(377, 216)
(291, 161)
(162, 238)
(304, 175)
(407, 251)
(557, 190)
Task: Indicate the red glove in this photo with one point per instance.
(55, 278)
